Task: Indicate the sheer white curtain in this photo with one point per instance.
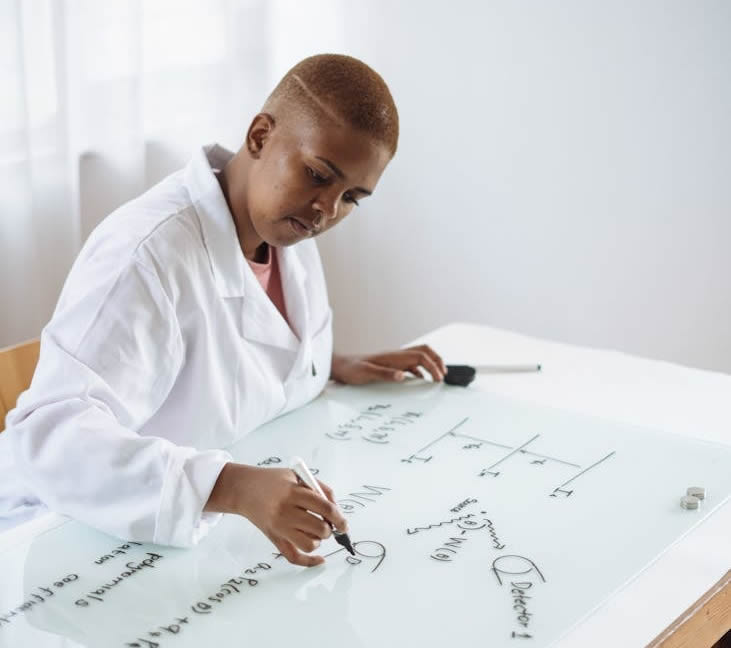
(99, 101)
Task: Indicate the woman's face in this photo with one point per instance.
(305, 178)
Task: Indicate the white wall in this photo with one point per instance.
(564, 170)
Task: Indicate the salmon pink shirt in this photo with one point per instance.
(268, 275)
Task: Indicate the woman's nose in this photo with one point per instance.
(326, 207)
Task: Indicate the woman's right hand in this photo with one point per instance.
(282, 508)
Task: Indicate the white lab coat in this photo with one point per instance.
(163, 349)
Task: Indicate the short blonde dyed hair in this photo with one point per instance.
(341, 87)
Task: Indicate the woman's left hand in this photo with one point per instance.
(392, 366)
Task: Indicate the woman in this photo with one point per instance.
(197, 312)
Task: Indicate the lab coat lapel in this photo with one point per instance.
(294, 278)
(262, 322)
(235, 280)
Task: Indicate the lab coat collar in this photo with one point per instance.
(262, 322)
(293, 275)
(219, 232)
(234, 277)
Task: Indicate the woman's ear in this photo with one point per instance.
(261, 128)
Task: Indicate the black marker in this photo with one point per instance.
(305, 476)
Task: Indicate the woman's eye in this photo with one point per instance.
(316, 176)
(347, 197)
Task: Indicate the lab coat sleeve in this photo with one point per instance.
(109, 358)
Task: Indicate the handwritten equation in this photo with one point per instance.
(522, 573)
(375, 424)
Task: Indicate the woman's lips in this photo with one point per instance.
(299, 227)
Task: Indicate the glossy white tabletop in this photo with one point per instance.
(659, 395)
(677, 401)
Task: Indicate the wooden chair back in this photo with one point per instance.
(17, 364)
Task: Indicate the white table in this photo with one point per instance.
(660, 395)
